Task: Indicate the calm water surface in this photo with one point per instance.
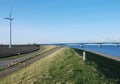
(105, 49)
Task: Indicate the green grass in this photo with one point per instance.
(109, 67)
(69, 68)
(16, 56)
(62, 67)
(41, 50)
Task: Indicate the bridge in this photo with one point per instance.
(116, 44)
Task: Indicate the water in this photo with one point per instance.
(110, 50)
(105, 49)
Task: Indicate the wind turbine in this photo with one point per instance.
(10, 19)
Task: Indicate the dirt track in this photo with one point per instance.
(27, 62)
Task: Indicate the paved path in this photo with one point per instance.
(4, 63)
(25, 63)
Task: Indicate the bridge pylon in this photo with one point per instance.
(81, 45)
(99, 44)
(116, 44)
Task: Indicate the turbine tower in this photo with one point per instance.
(10, 19)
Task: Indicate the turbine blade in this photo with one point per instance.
(10, 13)
(6, 18)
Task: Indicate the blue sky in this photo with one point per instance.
(58, 21)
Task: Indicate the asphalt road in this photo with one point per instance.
(4, 63)
(27, 62)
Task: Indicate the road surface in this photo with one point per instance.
(25, 63)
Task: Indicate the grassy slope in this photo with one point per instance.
(41, 50)
(63, 67)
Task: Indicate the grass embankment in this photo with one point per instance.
(64, 66)
(40, 51)
(108, 66)
(16, 49)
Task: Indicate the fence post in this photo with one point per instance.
(84, 55)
